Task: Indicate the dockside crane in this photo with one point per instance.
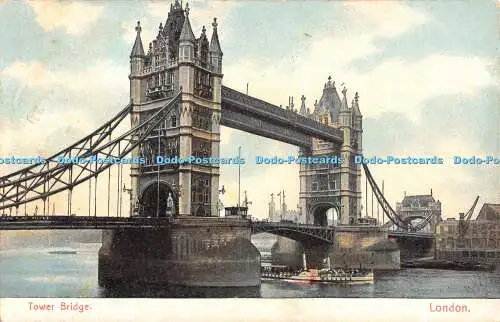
(463, 223)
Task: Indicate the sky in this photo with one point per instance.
(427, 74)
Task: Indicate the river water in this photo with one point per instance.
(30, 272)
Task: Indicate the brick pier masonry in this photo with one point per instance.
(354, 246)
(192, 251)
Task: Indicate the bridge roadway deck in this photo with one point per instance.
(92, 222)
(326, 234)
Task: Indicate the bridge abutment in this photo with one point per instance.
(354, 246)
(412, 248)
(214, 252)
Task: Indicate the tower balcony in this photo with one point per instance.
(162, 91)
(203, 90)
(160, 64)
(205, 65)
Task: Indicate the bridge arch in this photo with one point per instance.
(149, 203)
(325, 214)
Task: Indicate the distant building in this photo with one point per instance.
(489, 212)
(283, 213)
(481, 240)
(420, 207)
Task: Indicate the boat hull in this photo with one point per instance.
(311, 280)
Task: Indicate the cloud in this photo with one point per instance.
(387, 19)
(63, 106)
(399, 86)
(76, 17)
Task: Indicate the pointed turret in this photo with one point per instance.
(343, 105)
(345, 116)
(187, 32)
(303, 110)
(214, 42)
(137, 61)
(215, 49)
(355, 105)
(137, 50)
(357, 118)
(160, 29)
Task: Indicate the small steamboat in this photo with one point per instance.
(325, 275)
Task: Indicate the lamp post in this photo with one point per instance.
(221, 191)
(129, 190)
(239, 175)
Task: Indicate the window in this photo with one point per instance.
(185, 52)
(173, 121)
(332, 184)
(323, 182)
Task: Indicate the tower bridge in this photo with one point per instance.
(173, 232)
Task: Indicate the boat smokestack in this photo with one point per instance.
(304, 262)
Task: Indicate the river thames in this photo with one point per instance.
(33, 272)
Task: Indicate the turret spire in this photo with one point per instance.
(303, 110)
(355, 105)
(137, 50)
(214, 42)
(187, 32)
(343, 105)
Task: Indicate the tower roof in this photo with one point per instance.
(214, 42)
(418, 201)
(187, 32)
(137, 50)
(330, 100)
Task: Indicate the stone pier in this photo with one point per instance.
(354, 246)
(193, 251)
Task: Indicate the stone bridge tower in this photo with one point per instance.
(331, 193)
(177, 61)
(419, 207)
